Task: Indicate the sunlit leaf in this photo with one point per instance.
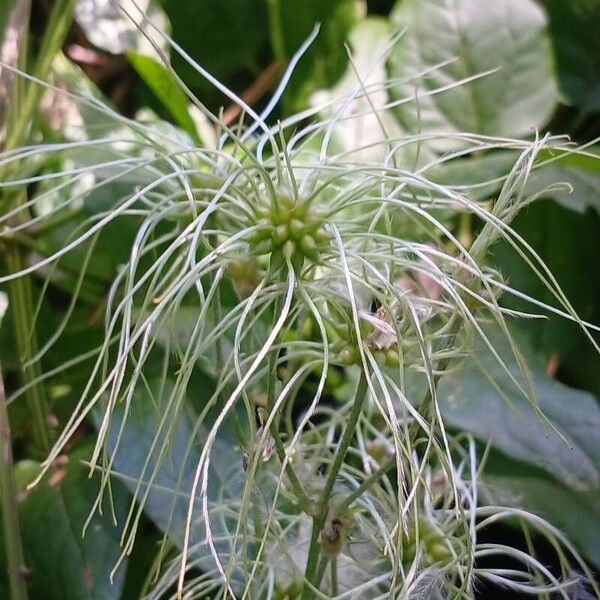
(507, 36)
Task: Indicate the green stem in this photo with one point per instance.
(8, 503)
(321, 571)
(276, 29)
(334, 578)
(20, 290)
(389, 464)
(301, 495)
(320, 518)
(21, 302)
(58, 26)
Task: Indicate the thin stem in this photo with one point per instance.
(320, 518)
(58, 26)
(21, 301)
(301, 495)
(389, 464)
(8, 502)
(321, 571)
(276, 29)
(334, 578)
(20, 290)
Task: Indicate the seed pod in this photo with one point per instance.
(280, 234)
(261, 248)
(262, 232)
(392, 358)
(322, 235)
(297, 262)
(296, 227)
(335, 535)
(348, 356)
(309, 247)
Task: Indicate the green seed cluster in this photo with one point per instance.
(289, 229)
(435, 543)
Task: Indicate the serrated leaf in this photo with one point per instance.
(505, 35)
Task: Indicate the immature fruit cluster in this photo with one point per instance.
(288, 229)
(431, 539)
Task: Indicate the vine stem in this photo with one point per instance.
(301, 495)
(310, 574)
(20, 290)
(321, 516)
(345, 503)
(21, 302)
(8, 503)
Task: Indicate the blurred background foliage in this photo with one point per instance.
(549, 54)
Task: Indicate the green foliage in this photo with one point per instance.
(320, 340)
(576, 512)
(62, 562)
(451, 42)
(559, 434)
(577, 48)
(160, 80)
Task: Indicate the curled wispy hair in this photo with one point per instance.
(270, 262)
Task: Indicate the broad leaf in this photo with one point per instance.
(224, 37)
(166, 464)
(576, 513)
(508, 36)
(62, 564)
(477, 177)
(569, 244)
(580, 172)
(574, 27)
(480, 397)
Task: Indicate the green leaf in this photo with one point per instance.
(568, 242)
(579, 171)
(585, 186)
(507, 35)
(224, 37)
(574, 27)
(478, 177)
(481, 398)
(366, 132)
(149, 453)
(161, 82)
(574, 512)
(62, 564)
(326, 59)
